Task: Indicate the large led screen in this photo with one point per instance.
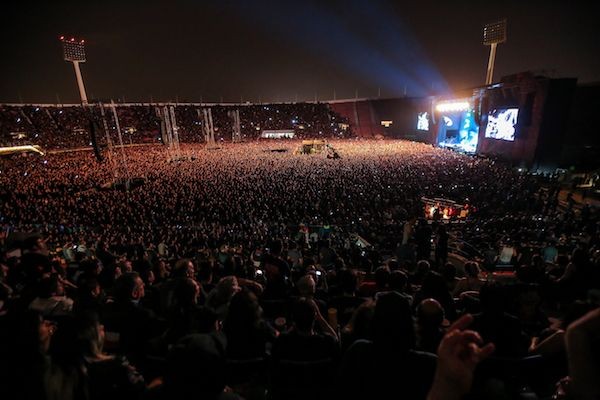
(423, 121)
(501, 124)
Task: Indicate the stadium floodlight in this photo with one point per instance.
(74, 51)
(493, 34)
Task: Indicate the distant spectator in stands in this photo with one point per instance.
(161, 271)
(382, 278)
(471, 282)
(151, 290)
(508, 253)
(550, 252)
(205, 276)
(423, 268)
(423, 234)
(441, 246)
(35, 244)
(51, 301)
(490, 258)
(534, 272)
(380, 283)
(294, 254)
(218, 299)
(327, 255)
(449, 274)
(277, 272)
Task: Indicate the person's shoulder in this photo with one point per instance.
(477, 318)
(361, 346)
(285, 337)
(143, 312)
(229, 396)
(423, 355)
(325, 338)
(462, 281)
(510, 319)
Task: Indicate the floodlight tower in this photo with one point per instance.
(74, 51)
(493, 34)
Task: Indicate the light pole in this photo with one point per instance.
(74, 51)
(493, 34)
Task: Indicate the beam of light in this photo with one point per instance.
(323, 32)
(397, 42)
(453, 106)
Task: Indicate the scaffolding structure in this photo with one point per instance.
(109, 143)
(126, 175)
(236, 134)
(209, 129)
(169, 131)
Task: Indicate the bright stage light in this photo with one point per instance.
(453, 106)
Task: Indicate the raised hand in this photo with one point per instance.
(459, 353)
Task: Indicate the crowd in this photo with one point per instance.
(67, 127)
(244, 272)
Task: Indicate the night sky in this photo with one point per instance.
(283, 50)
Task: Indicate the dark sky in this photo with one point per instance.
(283, 50)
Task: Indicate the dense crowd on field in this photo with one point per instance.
(241, 271)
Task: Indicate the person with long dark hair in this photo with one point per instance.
(246, 331)
(389, 362)
(80, 368)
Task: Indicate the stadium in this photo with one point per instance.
(424, 244)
